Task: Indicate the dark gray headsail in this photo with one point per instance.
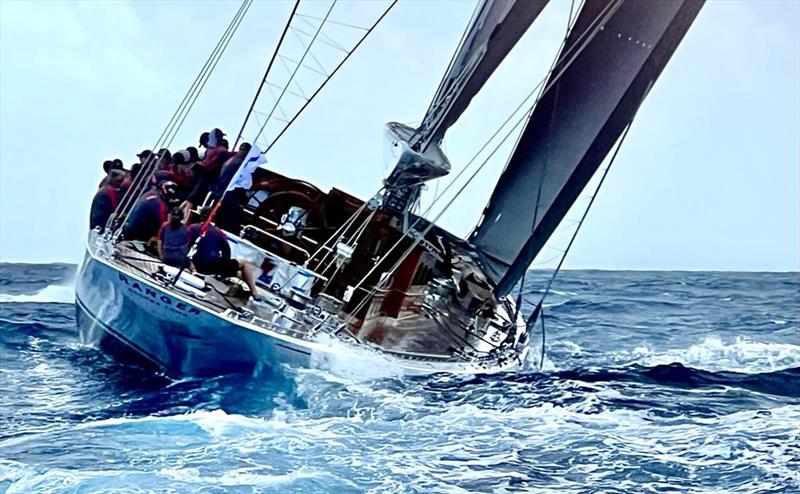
(494, 30)
(611, 58)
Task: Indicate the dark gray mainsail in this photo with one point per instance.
(495, 28)
(613, 54)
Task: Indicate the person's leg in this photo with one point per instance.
(247, 276)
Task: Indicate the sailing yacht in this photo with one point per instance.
(375, 278)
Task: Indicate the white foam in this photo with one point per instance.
(51, 294)
(351, 363)
(714, 354)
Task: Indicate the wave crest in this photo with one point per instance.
(51, 294)
(713, 354)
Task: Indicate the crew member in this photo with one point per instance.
(108, 165)
(150, 212)
(229, 214)
(106, 199)
(163, 171)
(213, 256)
(173, 241)
(207, 173)
(182, 166)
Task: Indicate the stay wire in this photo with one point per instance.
(336, 69)
(266, 73)
(539, 311)
(579, 46)
(214, 66)
(197, 90)
(291, 77)
(144, 175)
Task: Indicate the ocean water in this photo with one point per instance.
(654, 382)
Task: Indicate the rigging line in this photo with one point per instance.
(331, 250)
(273, 85)
(280, 107)
(354, 239)
(313, 57)
(293, 73)
(266, 73)
(199, 89)
(454, 56)
(385, 12)
(330, 42)
(362, 28)
(176, 121)
(320, 71)
(544, 344)
(420, 236)
(292, 79)
(197, 94)
(339, 233)
(181, 107)
(586, 211)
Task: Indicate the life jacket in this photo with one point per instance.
(103, 205)
(212, 248)
(146, 218)
(174, 244)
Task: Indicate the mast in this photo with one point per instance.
(612, 56)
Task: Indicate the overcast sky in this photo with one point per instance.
(708, 178)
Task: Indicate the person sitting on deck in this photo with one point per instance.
(213, 255)
(106, 200)
(150, 212)
(173, 241)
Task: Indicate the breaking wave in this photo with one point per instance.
(740, 355)
(51, 294)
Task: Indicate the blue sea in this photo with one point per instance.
(653, 382)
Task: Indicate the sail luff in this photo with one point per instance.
(573, 127)
(495, 29)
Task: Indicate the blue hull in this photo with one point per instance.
(133, 318)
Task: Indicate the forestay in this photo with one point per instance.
(613, 54)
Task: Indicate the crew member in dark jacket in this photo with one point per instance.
(150, 212)
(106, 199)
(229, 215)
(213, 256)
